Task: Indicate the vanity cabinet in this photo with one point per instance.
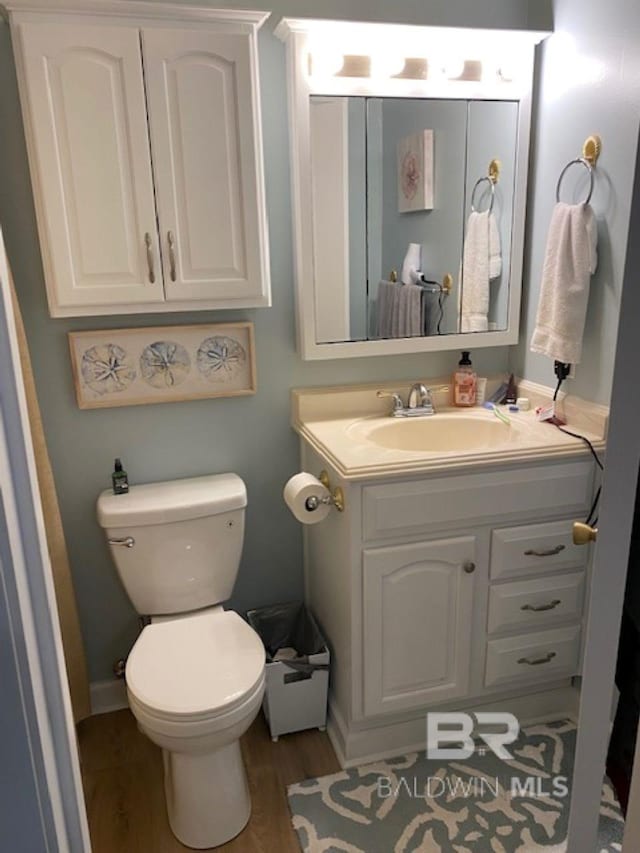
(449, 591)
(145, 151)
(419, 601)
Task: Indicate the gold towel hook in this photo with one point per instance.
(592, 149)
(494, 171)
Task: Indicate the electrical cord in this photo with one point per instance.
(586, 441)
(556, 392)
(562, 371)
(590, 519)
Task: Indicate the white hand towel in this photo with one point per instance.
(475, 274)
(570, 260)
(495, 253)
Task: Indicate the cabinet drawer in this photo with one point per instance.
(535, 548)
(536, 603)
(394, 509)
(545, 654)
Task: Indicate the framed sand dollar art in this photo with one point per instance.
(162, 364)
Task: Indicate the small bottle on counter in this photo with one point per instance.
(465, 382)
(119, 479)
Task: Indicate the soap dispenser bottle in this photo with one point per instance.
(465, 382)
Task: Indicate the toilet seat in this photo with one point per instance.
(195, 668)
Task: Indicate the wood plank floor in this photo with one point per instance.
(123, 785)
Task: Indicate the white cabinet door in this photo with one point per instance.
(84, 106)
(204, 121)
(417, 607)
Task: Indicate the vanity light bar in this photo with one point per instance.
(331, 64)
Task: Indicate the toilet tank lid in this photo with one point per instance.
(174, 500)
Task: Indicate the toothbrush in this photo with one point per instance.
(496, 411)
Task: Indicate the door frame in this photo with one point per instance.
(35, 626)
(610, 561)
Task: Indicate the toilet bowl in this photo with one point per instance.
(195, 684)
(196, 674)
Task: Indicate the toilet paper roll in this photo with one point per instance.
(298, 490)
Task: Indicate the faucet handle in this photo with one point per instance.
(398, 405)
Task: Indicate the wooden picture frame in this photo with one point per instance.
(415, 172)
(162, 364)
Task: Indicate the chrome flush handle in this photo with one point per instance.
(127, 542)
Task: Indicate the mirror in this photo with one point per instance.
(428, 180)
(395, 133)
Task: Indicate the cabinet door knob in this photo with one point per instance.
(147, 242)
(172, 255)
(469, 567)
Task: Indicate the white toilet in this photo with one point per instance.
(196, 674)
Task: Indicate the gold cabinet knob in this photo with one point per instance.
(583, 533)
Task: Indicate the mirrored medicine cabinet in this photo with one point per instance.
(400, 137)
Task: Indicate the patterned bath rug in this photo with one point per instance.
(481, 804)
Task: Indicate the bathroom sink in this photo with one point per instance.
(441, 432)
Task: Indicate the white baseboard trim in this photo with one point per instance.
(108, 695)
(380, 741)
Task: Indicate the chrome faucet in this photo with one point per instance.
(419, 403)
(419, 396)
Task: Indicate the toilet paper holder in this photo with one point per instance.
(334, 498)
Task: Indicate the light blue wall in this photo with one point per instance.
(589, 83)
(252, 435)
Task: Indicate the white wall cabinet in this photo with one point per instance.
(145, 151)
(419, 602)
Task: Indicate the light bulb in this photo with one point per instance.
(453, 68)
(386, 65)
(445, 67)
(326, 63)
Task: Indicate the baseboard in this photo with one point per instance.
(108, 695)
(386, 740)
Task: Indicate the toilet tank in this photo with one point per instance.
(176, 545)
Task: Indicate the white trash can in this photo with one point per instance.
(297, 668)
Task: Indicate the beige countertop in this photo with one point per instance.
(345, 425)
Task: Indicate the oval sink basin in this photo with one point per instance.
(438, 433)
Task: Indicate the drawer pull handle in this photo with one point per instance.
(469, 567)
(536, 661)
(550, 552)
(538, 608)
